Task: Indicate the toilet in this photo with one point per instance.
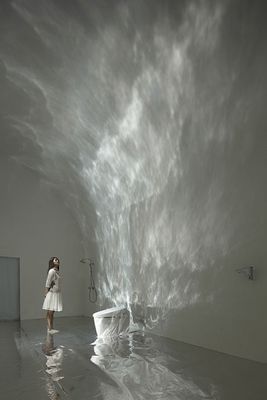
(112, 321)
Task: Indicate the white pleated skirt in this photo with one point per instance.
(53, 301)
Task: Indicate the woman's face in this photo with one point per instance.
(56, 262)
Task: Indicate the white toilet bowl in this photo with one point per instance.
(111, 322)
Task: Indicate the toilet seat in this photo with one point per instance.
(110, 312)
(112, 322)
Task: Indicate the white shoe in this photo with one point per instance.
(52, 331)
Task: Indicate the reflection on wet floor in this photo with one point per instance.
(54, 358)
(142, 370)
(74, 364)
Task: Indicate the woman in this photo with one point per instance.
(53, 298)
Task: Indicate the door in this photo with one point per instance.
(9, 288)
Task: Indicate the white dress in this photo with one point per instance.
(53, 299)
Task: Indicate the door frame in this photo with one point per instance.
(18, 258)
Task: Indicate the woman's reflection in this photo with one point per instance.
(54, 357)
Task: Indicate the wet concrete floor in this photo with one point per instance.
(74, 364)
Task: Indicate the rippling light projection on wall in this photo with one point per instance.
(122, 106)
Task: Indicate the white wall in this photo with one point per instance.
(221, 224)
(216, 224)
(36, 225)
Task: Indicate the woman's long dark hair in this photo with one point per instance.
(51, 263)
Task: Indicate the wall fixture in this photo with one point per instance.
(249, 272)
(92, 289)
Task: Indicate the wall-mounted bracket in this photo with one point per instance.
(249, 272)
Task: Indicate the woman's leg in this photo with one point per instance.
(50, 317)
